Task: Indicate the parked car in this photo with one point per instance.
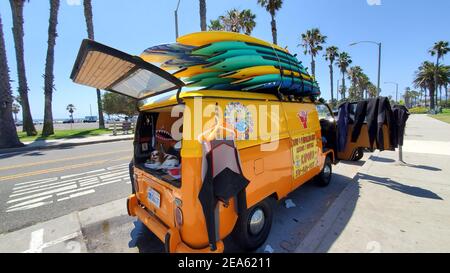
(69, 121)
(19, 123)
(90, 119)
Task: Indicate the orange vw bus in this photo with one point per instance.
(209, 164)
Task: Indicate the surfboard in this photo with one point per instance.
(208, 37)
(265, 79)
(262, 70)
(202, 76)
(239, 62)
(192, 71)
(210, 81)
(219, 47)
(246, 52)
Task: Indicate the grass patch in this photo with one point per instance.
(445, 116)
(64, 134)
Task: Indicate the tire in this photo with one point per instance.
(131, 172)
(323, 179)
(251, 239)
(358, 155)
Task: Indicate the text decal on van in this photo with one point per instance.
(304, 154)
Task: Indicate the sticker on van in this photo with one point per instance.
(239, 118)
(304, 154)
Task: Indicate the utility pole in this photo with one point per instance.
(379, 62)
(176, 20)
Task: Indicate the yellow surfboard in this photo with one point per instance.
(191, 71)
(208, 37)
(260, 70)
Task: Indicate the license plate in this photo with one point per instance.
(154, 197)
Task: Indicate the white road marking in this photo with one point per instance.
(32, 206)
(54, 242)
(37, 181)
(76, 195)
(88, 187)
(22, 192)
(78, 174)
(37, 240)
(33, 194)
(31, 201)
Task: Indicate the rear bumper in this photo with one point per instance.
(169, 236)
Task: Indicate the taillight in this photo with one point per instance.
(178, 216)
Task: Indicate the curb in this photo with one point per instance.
(56, 146)
(314, 238)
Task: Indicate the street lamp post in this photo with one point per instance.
(396, 90)
(379, 61)
(176, 20)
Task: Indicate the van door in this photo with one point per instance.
(109, 69)
(304, 131)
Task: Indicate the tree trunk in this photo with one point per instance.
(446, 95)
(332, 81)
(313, 66)
(49, 64)
(18, 33)
(202, 15)
(8, 133)
(343, 85)
(87, 4)
(432, 97)
(274, 28)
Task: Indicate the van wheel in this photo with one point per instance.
(359, 153)
(253, 225)
(324, 178)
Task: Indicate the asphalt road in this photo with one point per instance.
(41, 185)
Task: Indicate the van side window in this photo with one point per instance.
(323, 111)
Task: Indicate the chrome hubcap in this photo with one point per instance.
(327, 170)
(257, 222)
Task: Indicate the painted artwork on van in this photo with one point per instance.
(239, 119)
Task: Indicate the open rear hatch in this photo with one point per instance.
(109, 69)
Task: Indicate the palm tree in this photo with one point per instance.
(231, 20)
(427, 76)
(331, 54)
(343, 63)
(248, 22)
(440, 49)
(372, 90)
(49, 63)
(71, 108)
(8, 133)
(18, 33)
(272, 6)
(312, 42)
(354, 75)
(215, 25)
(202, 14)
(363, 83)
(236, 21)
(90, 31)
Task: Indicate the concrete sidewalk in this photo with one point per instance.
(393, 207)
(73, 233)
(61, 143)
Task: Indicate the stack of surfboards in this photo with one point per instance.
(232, 61)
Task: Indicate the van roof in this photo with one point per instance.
(171, 98)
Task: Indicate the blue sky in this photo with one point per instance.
(407, 29)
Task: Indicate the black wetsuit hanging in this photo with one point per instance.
(360, 117)
(223, 180)
(401, 115)
(372, 123)
(384, 117)
(343, 117)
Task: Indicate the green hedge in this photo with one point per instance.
(419, 110)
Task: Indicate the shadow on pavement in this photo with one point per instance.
(410, 190)
(381, 159)
(422, 167)
(290, 226)
(32, 151)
